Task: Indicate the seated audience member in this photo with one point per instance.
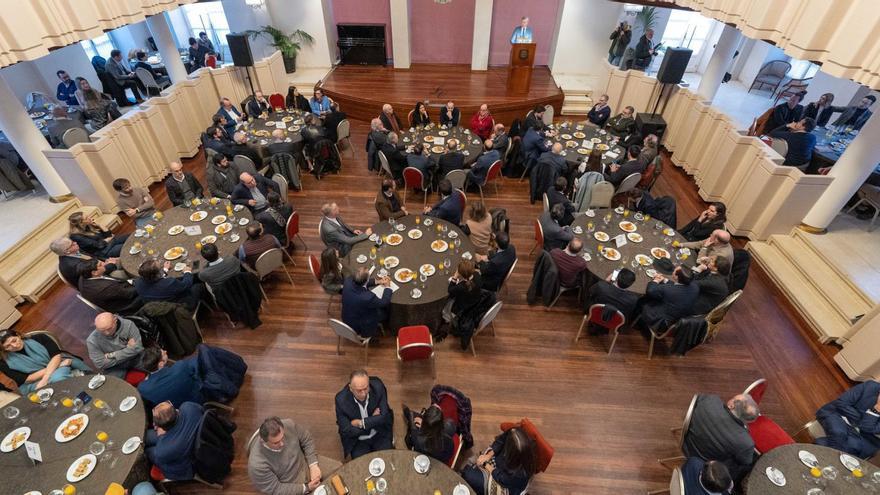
(218, 120)
(331, 276)
(710, 220)
(555, 235)
(649, 150)
(217, 139)
(169, 444)
(449, 207)
(154, 284)
(66, 91)
(60, 124)
(312, 132)
(377, 134)
(222, 177)
(123, 77)
(420, 160)
(855, 116)
(97, 109)
(464, 287)
(479, 171)
(284, 462)
(362, 309)
(482, 122)
(93, 239)
(182, 187)
(569, 264)
(36, 361)
(852, 421)
(240, 146)
(433, 436)
(233, 117)
(478, 227)
(616, 173)
(786, 112)
(495, 267)
(331, 122)
(388, 203)
(366, 423)
(142, 64)
(419, 116)
(115, 345)
(535, 119)
(257, 243)
(114, 295)
(176, 382)
(614, 293)
(258, 106)
(280, 144)
(800, 139)
(70, 259)
(319, 103)
(600, 112)
(717, 244)
(556, 196)
(667, 301)
(136, 202)
(623, 124)
(217, 270)
(451, 159)
(533, 145)
(389, 119)
(336, 233)
(712, 282)
(510, 463)
(450, 115)
(274, 217)
(705, 477)
(719, 432)
(252, 190)
(500, 139)
(396, 155)
(820, 110)
(296, 101)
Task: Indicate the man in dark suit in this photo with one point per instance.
(279, 145)
(477, 173)
(395, 154)
(336, 234)
(142, 64)
(712, 282)
(613, 293)
(420, 159)
(500, 139)
(109, 294)
(332, 120)
(452, 159)
(667, 301)
(705, 478)
(259, 105)
(389, 119)
(449, 207)
(363, 310)
(450, 115)
(494, 268)
(616, 173)
(181, 186)
(176, 382)
(70, 259)
(155, 285)
(217, 270)
(218, 140)
(555, 235)
(169, 446)
(556, 196)
(252, 190)
(240, 147)
(366, 423)
(222, 176)
(852, 421)
(533, 145)
(60, 124)
(854, 116)
(233, 117)
(535, 119)
(123, 77)
(719, 432)
(600, 112)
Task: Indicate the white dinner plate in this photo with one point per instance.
(422, 464)
(391, 262)
(6, 445)
(849, 462)
(775, 476)
(243, 222)
(128, 403)
(92, 462)
(377, 466)
(321, 490)
(460, 490)
(131, 445)
(59, 437)
(97, 381)
(808, 459)
(414, 234)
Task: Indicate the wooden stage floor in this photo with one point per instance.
(608, 417)
(361, 90)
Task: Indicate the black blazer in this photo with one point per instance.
(599, 117)
(255, 108)
(445, 120)
(713, 290)
(449, 162)
(282, 147)
(623, 300)
(625, 170)
(331, 121)
(494, 269)
(110, 294)
(175, 193)
(241, 194)
(555, 197)
(387, 122)
(347, 410)
(696, 231)
(299, 102)
(668, 302)
(418, 119)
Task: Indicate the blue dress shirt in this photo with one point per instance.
(521, 35)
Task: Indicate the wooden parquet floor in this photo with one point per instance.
(608, 417)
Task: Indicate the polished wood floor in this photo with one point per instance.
(608, 417)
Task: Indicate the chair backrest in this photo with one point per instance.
(209, 156)
(462, 198)
(244, 164)
(648, 176)
(768, 435)
(780, 146)
(146, 78)
(686, 424)
(277, 101)
(320, 230)
(489, 316)
(757, 389)
(89, 303)
(346, 332)
(539, 233)
(717, 314)
(36, 101)
(292, 225)
(457, 178)
(252, 440)
(268, 261)
(413, 178)
(548, 114)
(61, 276)
(629, 183)
(601, 194)
(343, 130)
(814, 428)
(543, 450)
(414, 343)
(676, 483)
(494, 171)
(282, 186)
(383, 160)
(211, 61)
(776, 68)
(74, 135)
(51, 336)
(613, 324)
(509, 273)
(409, 118)
(546, 202)
(315, 267)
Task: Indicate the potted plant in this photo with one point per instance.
(288, 44)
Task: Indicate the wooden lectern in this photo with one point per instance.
(519, 74)
(522, 54)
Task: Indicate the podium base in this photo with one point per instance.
(519, 80)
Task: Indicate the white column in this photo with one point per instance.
(850, 172)
(167, 48)
(721, 60)
(29, 143)
(400, 33)
(482, 34)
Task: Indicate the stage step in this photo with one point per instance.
(306, 78)
(577, 91)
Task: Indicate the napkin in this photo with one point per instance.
(193, 230)
(620, 240)
(439, 141)
(610, 155)
(586, 143)
(380, 289)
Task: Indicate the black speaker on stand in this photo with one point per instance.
(671, 70)
(240, 49)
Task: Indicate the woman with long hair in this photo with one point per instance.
(508, 465)
(821, 109)
(464, 287)
(94, 240)
(331, 272)
(431, 435)
(34, 362)
(420, 117)
(296, 101)
(97, 108)
(712, 218)
(479, 227)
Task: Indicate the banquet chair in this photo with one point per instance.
(613, 324)
(415, 343)
(659, 334)
(813, 430)
(149, 81)
(685, 426)
(344, 331)
(539, 237)
(548, 114)
(768, 435)
(792, 87)
(211, 61)
(385, 168)
(74, 135)
(277, 101)
(546, 202)
(676, 485)
(78, 295)
(543, 450)
(780, 146)
(493, 175)
(487, 320)
(282, 186)
(868, 194)
(244, 164)
(716, 316)
(601, 194)
(409, 118)
(457, 178)
(507, 277)
(413, 179)
(629, 183)
(315, 268)
(268, 262)
(36, 101)
(252, 440)
(771, 74)
(292, 230)
(343, 132)
(209, 156)
(462, 198)
(756, 390)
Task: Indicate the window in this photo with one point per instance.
(210, 18)
(102, 45)
(802, 69)
(688, 30)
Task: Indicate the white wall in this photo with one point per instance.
(310, 16)
(177, 20)
(241, 17)
(661, 19)
(579, 50)
(131, 36)
(754, 60)
(71, 58)
(23, 78)
(844, 90)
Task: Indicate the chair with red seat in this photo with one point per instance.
(539, 237)
(413, 179)
(544, 451)
(315, 268)
(462, 198)
(135, 377)
(493, 174)
(596, 315)
(277, 101)
(211, 61)
(768, 435)
(293, 230)
(416, 343)
(756, 389)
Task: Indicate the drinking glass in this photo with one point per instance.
(11, 412)
(829, 473)
(667, 241)
(97, 448)
(423, 278)
(77, 405)
(647, 218)
(447, 263)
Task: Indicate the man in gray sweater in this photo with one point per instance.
(115, 345)
(283, 461)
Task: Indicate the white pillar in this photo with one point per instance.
(482, 34)
(167, 48)
(400, 33)
(721, 60)
(29, 143)
(850, 172)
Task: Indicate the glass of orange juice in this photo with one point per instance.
(67, 402)
(34, 397)
(198, 246)
(418, 219)
(69, 489)
(102, 436)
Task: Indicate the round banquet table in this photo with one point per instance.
(577, 148)
(432, 135)
(160, 241)
(785, 459)
(21, 476)
(652, 236)
(259, 131)
(402, 478)
(413, 253)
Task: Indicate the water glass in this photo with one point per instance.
(97, 448)
(447, 263)
(829, 473)
(423, 278)
(11, 412)
(77, 405)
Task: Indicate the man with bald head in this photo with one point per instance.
(477, 173)
(365, 422)
(279, 145)
(569, 263)
(181, 186)
(550, 166)
(450, 115)
(500, 139)
(389, 118)
(251, 191)
(716, 245)
(115, 345)
(169, 444)
(482, 122)
(719, 431)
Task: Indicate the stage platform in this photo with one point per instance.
(362, 90)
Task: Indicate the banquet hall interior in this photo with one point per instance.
(726, 89)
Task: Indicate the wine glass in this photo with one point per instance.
(829, 473)
(447, 263)
(77, 405)
(423, 279)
